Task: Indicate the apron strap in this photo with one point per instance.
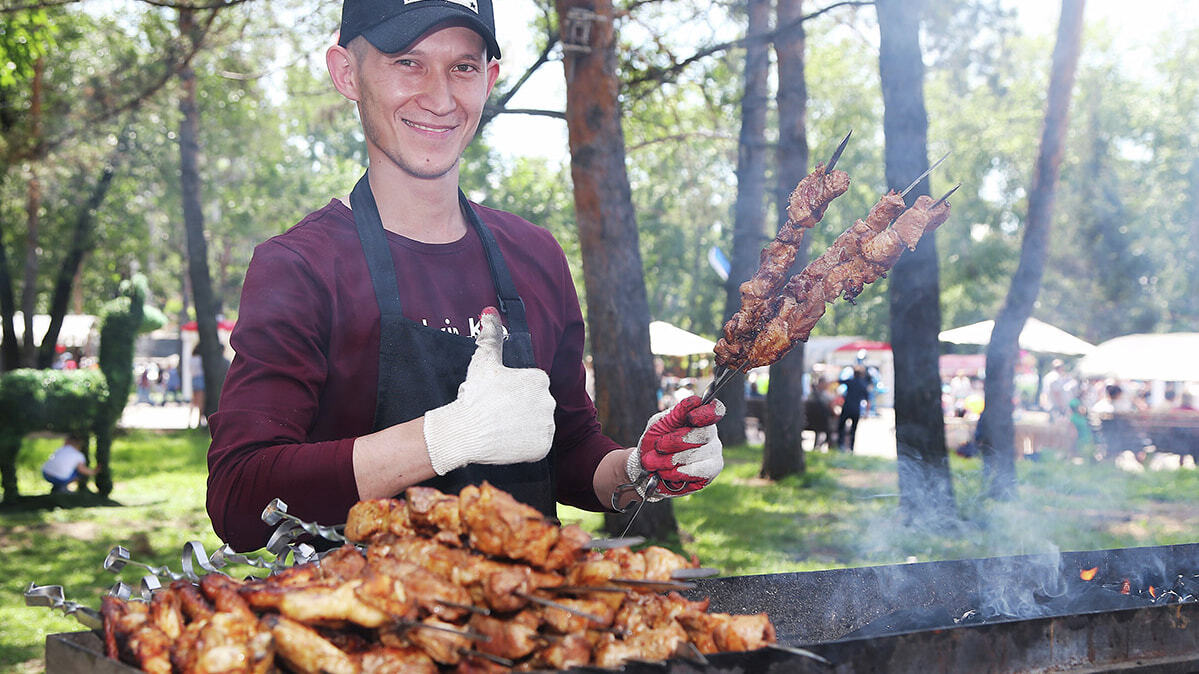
(518, 347)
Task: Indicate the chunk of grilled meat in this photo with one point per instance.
(304, 649)
(501, 526)
(375, 518)
(434, 514)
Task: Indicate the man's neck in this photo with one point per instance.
(421, 209)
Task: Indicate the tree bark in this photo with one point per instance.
(996, 428)
(749, 213)
(33, 208)
(617, 306)
(925, 486)
(10, 352)
(207, 307)
(82, 242)
(783, 454)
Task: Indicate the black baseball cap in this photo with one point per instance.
(393, 25)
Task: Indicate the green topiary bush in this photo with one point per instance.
(83, 402)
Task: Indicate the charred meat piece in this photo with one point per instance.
(442, 645)
(647, 644)
(304, 649)
(434, 514)
(377, 518)
(568, 549)
(501, 526)
(506, 638)
(388, 660)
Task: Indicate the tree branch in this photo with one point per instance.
(217, 4)
(501, 104)
(493, 111)
(8, 8)
(663, 75)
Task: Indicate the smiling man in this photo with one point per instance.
(369, 355)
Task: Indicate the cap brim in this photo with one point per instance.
(398, 33)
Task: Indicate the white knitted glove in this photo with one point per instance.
(502, 415)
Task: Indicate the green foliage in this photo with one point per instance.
(63, 401)
(122, 321)
(76, 401)
(25, 36)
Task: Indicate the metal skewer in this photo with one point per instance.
(922, 175)
(940, 201)
(561, 607)
(51, 596)
(832, 162)
(276, 511)
(118, 557)
(611, 543)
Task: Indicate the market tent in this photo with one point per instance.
(1162, 357)
(667, 340)
(1037, 336)
(75, 332)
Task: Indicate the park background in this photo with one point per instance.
(92, 130)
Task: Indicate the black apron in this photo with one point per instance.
(420, 367)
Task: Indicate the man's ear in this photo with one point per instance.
(493, 74)
(343, 71)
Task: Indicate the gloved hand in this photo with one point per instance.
(502, 415)
(681, 445)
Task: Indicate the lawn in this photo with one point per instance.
(842, 512)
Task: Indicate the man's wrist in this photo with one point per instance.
(610, 474)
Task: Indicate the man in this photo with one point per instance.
(67, 465)
(856, 391)
(369, 357)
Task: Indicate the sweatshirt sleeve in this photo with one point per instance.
(579, 443)
(268, 402)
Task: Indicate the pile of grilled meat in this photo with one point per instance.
(474, 582)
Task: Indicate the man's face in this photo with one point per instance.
(421, 107)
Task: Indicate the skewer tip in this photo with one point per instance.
(832, 162)
(945, 196)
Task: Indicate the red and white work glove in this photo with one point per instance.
(502, 415)
(681, 446)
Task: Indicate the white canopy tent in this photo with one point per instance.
(76, 330)
(1037, 336)
(668, 340)
(1144, 357)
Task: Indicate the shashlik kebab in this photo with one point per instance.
(859, 256)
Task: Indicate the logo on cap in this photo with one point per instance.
(469, 4)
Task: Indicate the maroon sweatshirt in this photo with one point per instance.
(302, 385)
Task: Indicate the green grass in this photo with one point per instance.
(842, 512)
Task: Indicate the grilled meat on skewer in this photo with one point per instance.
(861, 255)
(806, 207)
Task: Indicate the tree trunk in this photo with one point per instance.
(617, 306)
(10, 352)
(783, 454)
(749, 214)
(996, 428)
(82, 242)
(925, 486)
(33, 208)
(211, 351)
